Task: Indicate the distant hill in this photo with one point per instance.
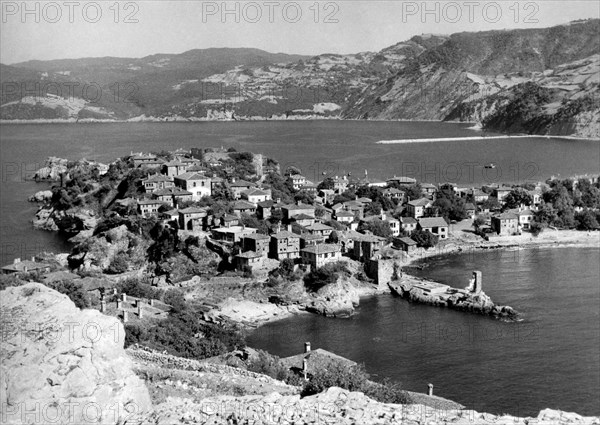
(527, 80)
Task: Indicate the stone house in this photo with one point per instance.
(405, 244)
(319, 229)
(304, 219)
(156, 182)
(143, 159)
(198, 184)
(256, 242)
(393, 193)
(366, 246)
(471, 209)
(435, 225)
(284, 244)
(175, 168)
(263, 209)
(26, 266)
(232, 234)
(243, 207)
(239, 186)
(321, 254)
(428, 189)
(192, 218)
(173, 196)
(249, 259)
(291, 210)
(401, 181)
(505, 224)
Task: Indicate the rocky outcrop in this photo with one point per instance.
(419, 290)
(335, 300)
(335, 406)
(64, 365)
(52, 169)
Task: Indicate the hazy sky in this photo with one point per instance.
(73, 29)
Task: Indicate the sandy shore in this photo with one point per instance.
(462, 240)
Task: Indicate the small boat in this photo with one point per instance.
(490, 165)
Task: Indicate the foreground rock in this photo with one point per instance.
(64, 365)
(335, 406)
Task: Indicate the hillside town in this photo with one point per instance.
(246, 207)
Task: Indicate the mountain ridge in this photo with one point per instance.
(425, 77)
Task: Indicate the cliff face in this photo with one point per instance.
(64, 365)
(481, 76)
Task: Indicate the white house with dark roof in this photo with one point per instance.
(393, 193)
(238, 186)
(196, 183)
(321, 254)
(149, 206)
(408, 224)
(435, 225)
(402, 181)
(255, 196)
(319, 229)
(418, 207)
(343, 216)
(297, 181)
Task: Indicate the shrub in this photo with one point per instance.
(118, 265)
(271, 365)
(354, 378)
(74, 291)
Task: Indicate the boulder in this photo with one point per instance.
(64, 365)
(41, 196)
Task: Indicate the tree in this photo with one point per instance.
(327, 183)
(333, 237)
(478, 222)
(518, 197)
(378, 227)
(424, 238)
(586, 220)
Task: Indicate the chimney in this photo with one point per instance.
(16, 261)
(233, 180)
(152, 302)
(383, 215)
(278, 200)
(125, 317)
(430, 389)
(119, 304)
(114, 291)
(307, 347)
(139, 309)
(298, 202)
(103, 306)
(289, 227)
(356, 197)
(33, 259)
(124, 297)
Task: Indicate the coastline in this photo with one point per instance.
(546, 240)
